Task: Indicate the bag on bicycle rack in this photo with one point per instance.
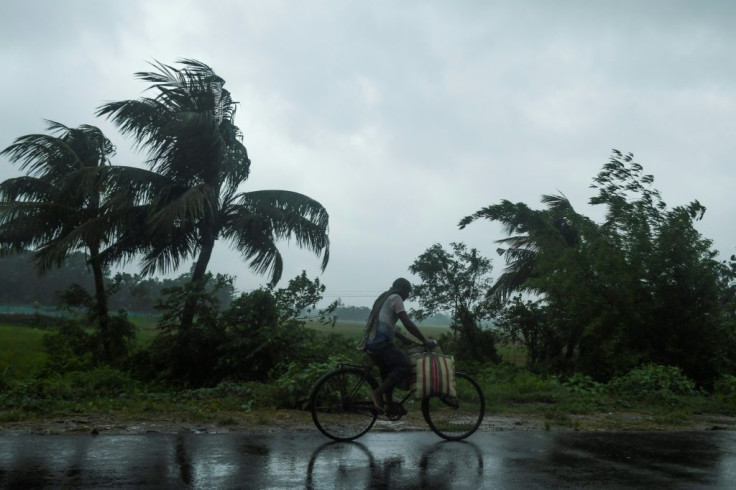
(435, 375)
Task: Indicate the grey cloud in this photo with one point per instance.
(434, 108)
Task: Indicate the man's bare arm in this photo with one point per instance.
(411, 327)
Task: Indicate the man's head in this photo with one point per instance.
(402, 286)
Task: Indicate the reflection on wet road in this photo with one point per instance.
(504, 460)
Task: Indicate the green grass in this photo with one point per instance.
(354, 329)
(509, 389)
(22, 353)
(144, 322)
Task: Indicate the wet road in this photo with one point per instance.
(503, 460)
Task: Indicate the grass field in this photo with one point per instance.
(22, 352)
(514, 354)
(355, 329)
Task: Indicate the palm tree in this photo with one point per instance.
(196, 163)
(55, 208)
(530, 232)
(542, 248)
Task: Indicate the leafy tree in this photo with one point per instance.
(641, 287)
(299, 299)
(543, 248)
(54, 210)
(531, 232)
(457, 281)
(528, 322)
(258, 332)
(191, 356)
(673, 315)
(256, 341)
(197, 162)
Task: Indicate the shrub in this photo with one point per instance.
(653, 383)
(583, 384)
(725, 387)
(294, 385)
(74, 385)
(505, 383)
(255, 342)
(242, 397)
(70, 348)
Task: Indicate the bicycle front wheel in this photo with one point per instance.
(455, 418)
(341, 404)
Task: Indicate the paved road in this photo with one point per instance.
(503, 460)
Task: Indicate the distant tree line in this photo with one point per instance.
(361, 313)
(23, 286)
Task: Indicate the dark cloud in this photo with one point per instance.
(418, 111)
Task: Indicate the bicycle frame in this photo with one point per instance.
(366, 369)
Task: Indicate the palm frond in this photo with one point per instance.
(291, 215)
(557, 202)
(176, 207)
(26, 188)
(257, 220)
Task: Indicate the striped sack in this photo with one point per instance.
(435, 375)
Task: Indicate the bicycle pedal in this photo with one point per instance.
(396, 410)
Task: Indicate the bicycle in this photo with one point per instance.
(342, 409)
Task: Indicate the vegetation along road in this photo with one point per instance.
(624, 323)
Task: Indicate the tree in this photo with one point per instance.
(543, 248)
(197, 162)
(530, 232)
(527, 322)
(258, 332)
(641, 287)
(457, 281)
(299, 299)
(55, 209)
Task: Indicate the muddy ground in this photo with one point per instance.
(294, 420)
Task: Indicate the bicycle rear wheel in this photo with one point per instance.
(453, 418)
(341, 404)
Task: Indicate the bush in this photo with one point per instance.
(255, 342)
(74, 385)
(653, 383)
(70, 348)
(505, 383)
(242, 397)
(294, 385)
(583, 384)
(725, 388)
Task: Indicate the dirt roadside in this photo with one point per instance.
(294, 420)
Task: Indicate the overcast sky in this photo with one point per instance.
(402, 117)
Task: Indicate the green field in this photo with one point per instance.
(354, 329)
(514, 354)
(22, 352)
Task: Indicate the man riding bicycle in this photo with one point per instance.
(380, 331)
